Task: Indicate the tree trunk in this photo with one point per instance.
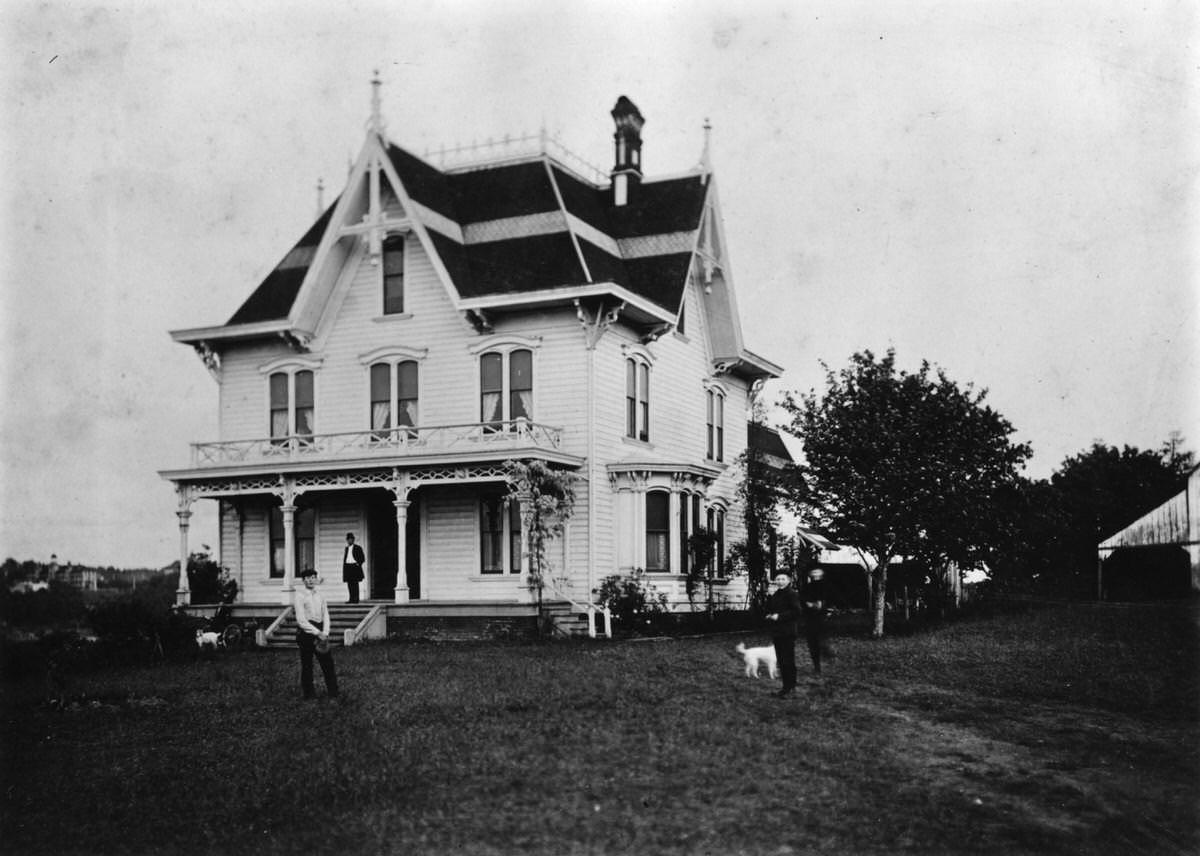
(878, 599)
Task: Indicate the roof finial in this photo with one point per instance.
(376, 123)
(320, 196)
(705, 163)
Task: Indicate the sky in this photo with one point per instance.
(1008, 190)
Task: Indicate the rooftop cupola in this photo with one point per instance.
(627, 148)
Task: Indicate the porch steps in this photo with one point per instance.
(342, 617)
(567, 622)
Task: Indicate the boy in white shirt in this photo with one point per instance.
(311, 611)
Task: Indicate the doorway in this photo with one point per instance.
(381, 526)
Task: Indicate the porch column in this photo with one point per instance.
(673, 550)
(402, 550)
(183, 595)
(524, 502)
(289, 553)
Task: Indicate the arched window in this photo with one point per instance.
(394, 399)
(658, 531)
(292, 404)
(505, 388)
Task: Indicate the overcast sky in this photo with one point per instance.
(1008, 190)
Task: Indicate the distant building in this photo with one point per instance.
(1157, 555)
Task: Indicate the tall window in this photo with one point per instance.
(394, 397)
(304, 532)
(658, 530)
(715, 426)
(393, 275)
(505, 387)
(684, 533)
(499, 536)
(716, 525)
(292, 404)
(637, 400)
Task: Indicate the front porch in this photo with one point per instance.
(441, 621)
(286, 504)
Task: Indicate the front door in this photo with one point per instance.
(381, 564)
(381, 569)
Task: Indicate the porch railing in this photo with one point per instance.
(413, 440)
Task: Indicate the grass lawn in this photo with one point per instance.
(1058, 730)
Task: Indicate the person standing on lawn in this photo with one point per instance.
(352, 566)
(783, 614)
(312, 636)
(814, 615)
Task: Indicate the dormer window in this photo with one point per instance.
(393, 275)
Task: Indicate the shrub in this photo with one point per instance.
(633, 600)
(204, 576)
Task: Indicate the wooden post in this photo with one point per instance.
(401, 550)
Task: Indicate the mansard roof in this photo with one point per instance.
(539, 226)
(275, 295)
(528, 227)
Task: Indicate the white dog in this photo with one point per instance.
(755, 657)
(208, 639)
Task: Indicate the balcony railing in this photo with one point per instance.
(384, 443)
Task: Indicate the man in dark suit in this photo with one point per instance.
(352, 566)
(783, 616)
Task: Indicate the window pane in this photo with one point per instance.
(381, 382)
(520, 369)
(406, 381)
(490, 536)
(279, 423)
(514, 537)
(683, 534)
(657, 531)
(658, 504)
(393, 275)
(490, 377)
(276, 530)
(304, 389)
(304, 421)
(279, 391)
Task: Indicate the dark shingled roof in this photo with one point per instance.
(272, 300)
(767, 440)
(529, 262)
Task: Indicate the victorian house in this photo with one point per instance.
(435, 322)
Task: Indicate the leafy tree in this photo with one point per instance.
(702, 544)
(1101, 491)
(901, 463)
(761, 489)
(547, 498)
